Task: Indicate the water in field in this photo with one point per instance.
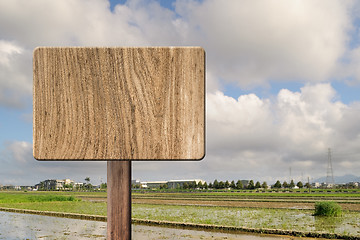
(296, 220)
(28, 226)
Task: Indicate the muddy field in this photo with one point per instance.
(350, 202)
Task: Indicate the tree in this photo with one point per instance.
(216, 184)
(42, 186)
(232, 184)
(285, 184)
(264, 185)
(88, 185)
(251, 185)
(192, 185)
(87, 179)
(300, 184)
(307, 185)
(227, 184)
(257, 185)
(277, 184)
(210, 185)
(239, 185)
(221, 185)
(200, 185)
(292, 184)
(205, 186)
(69, 186)
(185, 185)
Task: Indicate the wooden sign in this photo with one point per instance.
(119, 103)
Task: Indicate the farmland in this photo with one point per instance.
(270, 210)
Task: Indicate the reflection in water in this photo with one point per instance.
(28, 226)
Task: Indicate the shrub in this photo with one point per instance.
(330, 209)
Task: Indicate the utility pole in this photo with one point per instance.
(329, 172)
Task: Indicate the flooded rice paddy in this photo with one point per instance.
(28, 226)
(284, 219)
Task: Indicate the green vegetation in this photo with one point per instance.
(277, 184)
(80, 207)
(24, 198)
(329, 209)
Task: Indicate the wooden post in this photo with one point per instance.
(119, 200)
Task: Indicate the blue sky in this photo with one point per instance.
(282, 82)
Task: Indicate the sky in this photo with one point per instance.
(282, 82)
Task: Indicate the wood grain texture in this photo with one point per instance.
(119, 103)
(119, 200)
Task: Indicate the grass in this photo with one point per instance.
(81, 207)
(32, 198)
(328, 209)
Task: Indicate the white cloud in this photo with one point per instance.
(251, 42)
(15, 63)
(7, 49)
(252, 135)
(248, 116)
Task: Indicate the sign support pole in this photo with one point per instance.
(119, 200)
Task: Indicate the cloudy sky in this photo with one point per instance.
(283, 82)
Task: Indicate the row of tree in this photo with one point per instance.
(291, 184)
(235, 185)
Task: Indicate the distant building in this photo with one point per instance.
(154, 184)
(171, 184)
(78, 185)
(135, 182)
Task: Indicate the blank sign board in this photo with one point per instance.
(119, 103)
